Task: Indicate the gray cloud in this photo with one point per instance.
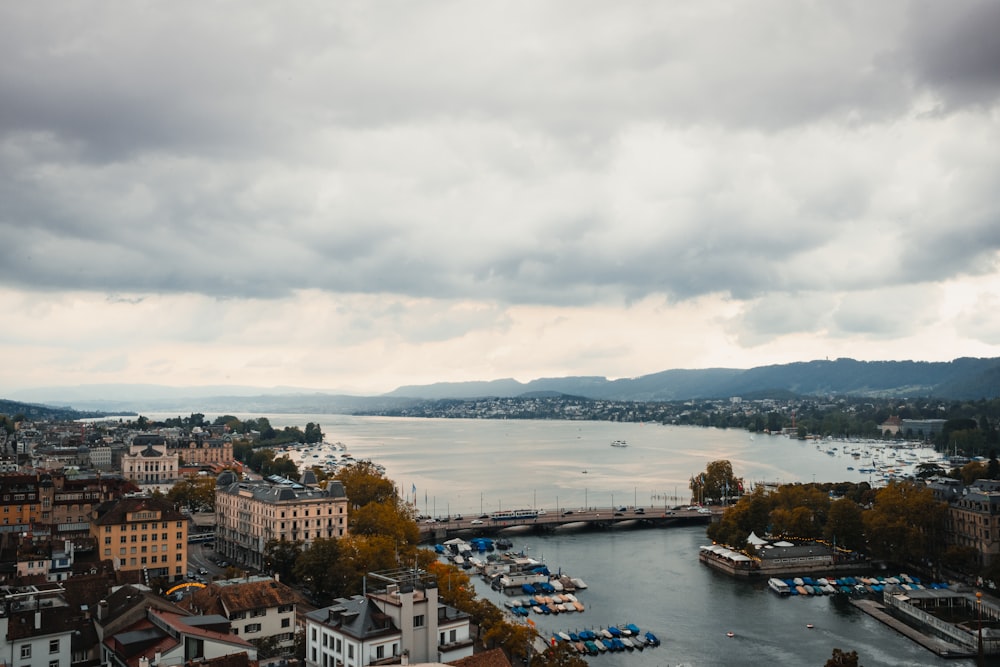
(558, 153)
(954, 50)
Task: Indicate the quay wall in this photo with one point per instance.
(755, 570)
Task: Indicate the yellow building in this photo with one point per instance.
(142, 534)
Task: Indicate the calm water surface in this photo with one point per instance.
(471, 466)
(653, 578)
(648, 577)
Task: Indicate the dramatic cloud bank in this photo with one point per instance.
(360, 195)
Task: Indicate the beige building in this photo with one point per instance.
(973, 520)
(149, 462)
(202, 450)
(248, 515)
(142, 534)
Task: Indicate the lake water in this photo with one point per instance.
(650, 577)
(475, 466)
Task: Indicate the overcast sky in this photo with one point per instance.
(360, 195)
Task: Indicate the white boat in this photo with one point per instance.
(579, 583)
(619, 443)
(779, 586)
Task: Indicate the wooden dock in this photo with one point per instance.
(940, 647)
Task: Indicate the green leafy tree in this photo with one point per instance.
(243, 451)
(361, 554)
(844, 525)
(319, 571)
(748, 515)
(285, 467)
(268, 647)
(560, 655)
(800, 510)
(843, 659)
(928, 469)
(280, 557)
(363, 484)
(515, 640)
(715, 483)
(194, 491)
(387, 518)
(905, 524)
(970, 472)
(313, 433)
(963, 559)
(454, 587)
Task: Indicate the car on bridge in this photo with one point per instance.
(476, 522)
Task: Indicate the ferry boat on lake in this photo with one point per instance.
(619, 443)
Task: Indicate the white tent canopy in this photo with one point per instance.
(754, 540)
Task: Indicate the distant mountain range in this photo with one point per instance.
(965, 378)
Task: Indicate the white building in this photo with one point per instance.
(404, 620)
(149, 463)
(163, 639)
(100, 457)
(39, 634)
(257, 608)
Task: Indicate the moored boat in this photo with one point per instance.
(779, 586)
